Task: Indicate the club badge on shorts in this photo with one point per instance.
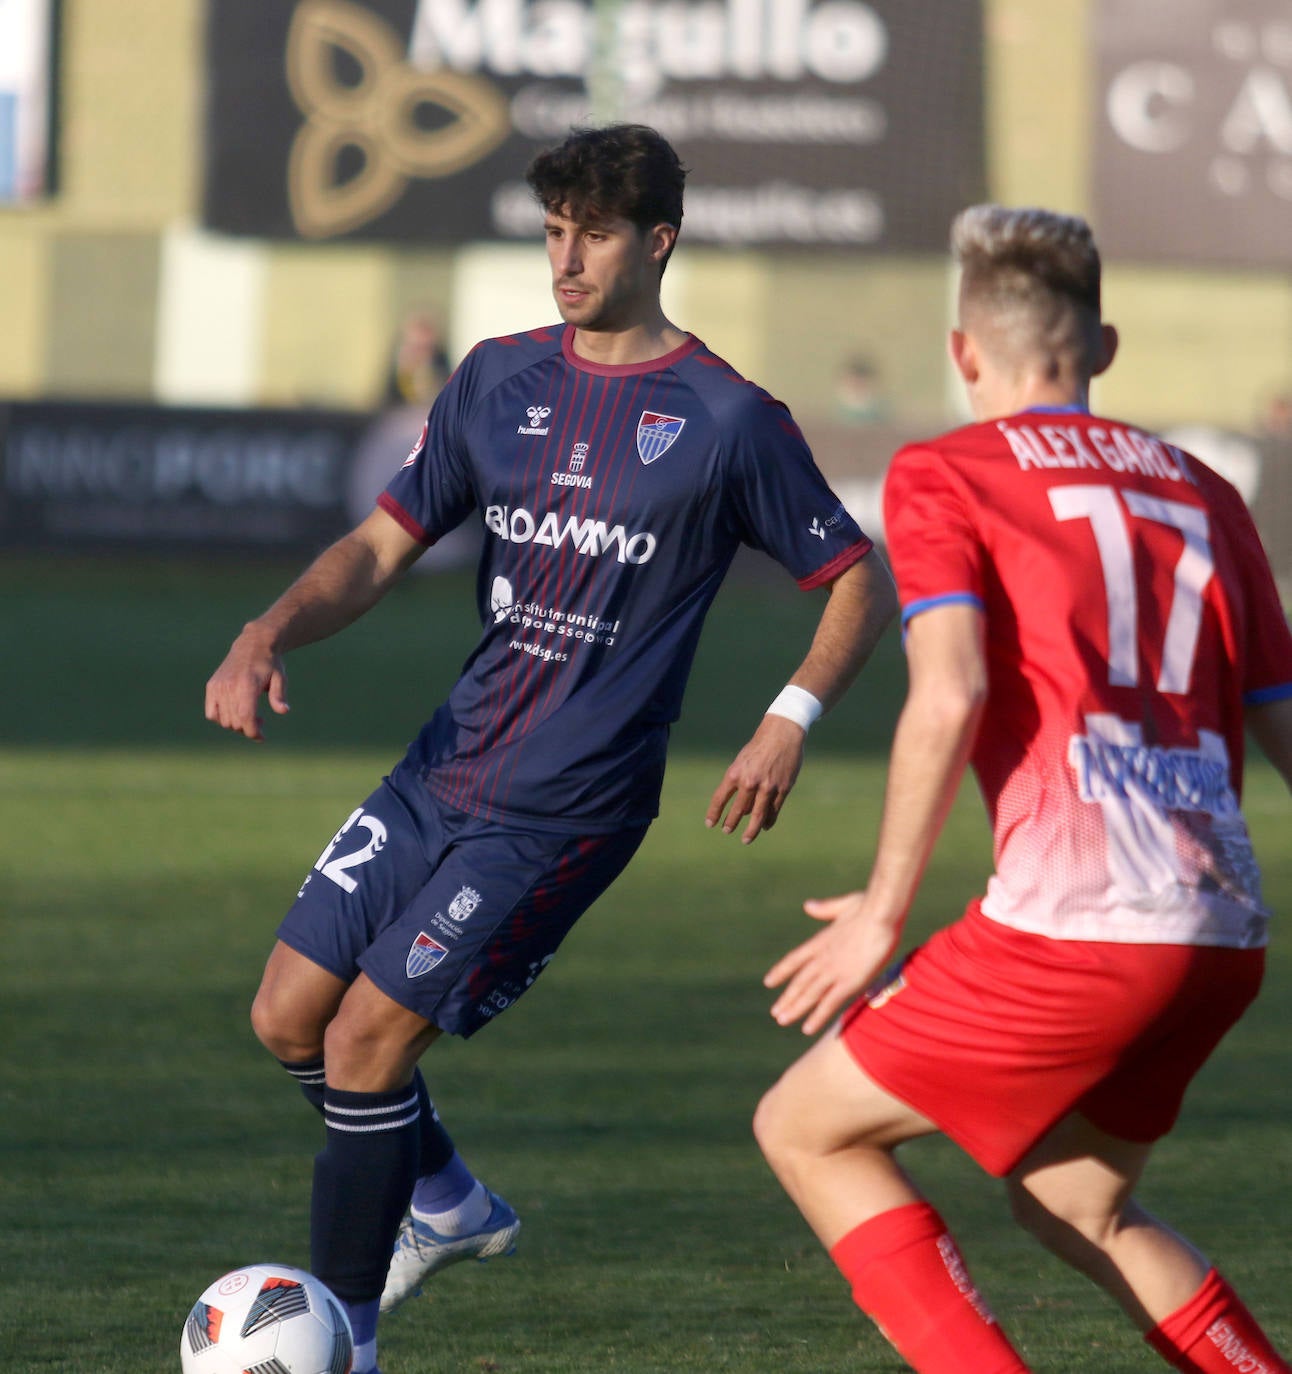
(656, 434)
(423, 955)
(461, 907)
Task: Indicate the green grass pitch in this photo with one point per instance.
(147, 1143)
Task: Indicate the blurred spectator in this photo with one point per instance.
(1275, 421)
(420, 365)
(1236, 457)
(858, 392)
(1273, 512)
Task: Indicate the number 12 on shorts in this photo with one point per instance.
(1108, 512)
(335, 869)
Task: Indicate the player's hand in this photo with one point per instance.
(759, 779)
(251, 669)
(824, 974)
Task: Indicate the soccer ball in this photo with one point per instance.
(267, 1319)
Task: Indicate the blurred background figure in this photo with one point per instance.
(420, 365)
(1273, 512)
(1236, 457)
(859, 395)
(1275, 422)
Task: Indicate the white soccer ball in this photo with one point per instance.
(267, 1319)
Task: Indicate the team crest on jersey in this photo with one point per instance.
(418, 446)
(464, 904)
(656, 434)
(423, 955)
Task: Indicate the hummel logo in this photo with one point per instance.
(817, 528)
(537, 414)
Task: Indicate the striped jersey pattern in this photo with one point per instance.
(612, 501)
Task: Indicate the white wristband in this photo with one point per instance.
(796, 704)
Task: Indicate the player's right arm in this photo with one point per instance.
(345, 580)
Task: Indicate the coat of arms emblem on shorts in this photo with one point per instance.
(464, 904)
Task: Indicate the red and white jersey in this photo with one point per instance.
(1130, 616)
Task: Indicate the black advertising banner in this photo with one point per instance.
(804, 122)
(1193, 138)
(101, 476)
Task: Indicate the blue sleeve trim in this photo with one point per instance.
(1264, 694)
(949, 599)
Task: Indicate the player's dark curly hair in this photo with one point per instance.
(618, 170)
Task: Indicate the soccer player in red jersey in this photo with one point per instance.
(614, 465)
(1090, 619)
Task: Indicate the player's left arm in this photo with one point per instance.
(946, 658)
(862, 601)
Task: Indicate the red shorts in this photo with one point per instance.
(995, 1034)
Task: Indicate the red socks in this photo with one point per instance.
(907, 1275)
(1213, 1333)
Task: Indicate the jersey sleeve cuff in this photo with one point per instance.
(401, 517)
(1260, 696)
(841, 562)
(929, 603)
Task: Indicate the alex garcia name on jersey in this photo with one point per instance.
(1130, 616)
(1115, 448)
(612, 500)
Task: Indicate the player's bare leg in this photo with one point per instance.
(1074, 1192)
(373, 1044)
(828, 1133)
(296, 1000)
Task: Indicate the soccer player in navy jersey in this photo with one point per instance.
(615, 465)
(1090, 619)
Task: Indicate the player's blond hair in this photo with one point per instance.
(1034, 272)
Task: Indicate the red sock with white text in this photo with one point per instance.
(1213, 1333)
(907, 1275)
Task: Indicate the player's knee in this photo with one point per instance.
(363, 1054)
(773, 1127)
(280, 1031)
(1070, 1231)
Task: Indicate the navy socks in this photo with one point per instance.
(436, 1144)
(363, 1179)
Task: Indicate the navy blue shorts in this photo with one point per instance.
(452, 916)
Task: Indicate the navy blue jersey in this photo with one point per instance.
(613, 501)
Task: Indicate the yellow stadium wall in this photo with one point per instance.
(96, 285)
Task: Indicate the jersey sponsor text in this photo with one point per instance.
(593, 538)
(1177, 779)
